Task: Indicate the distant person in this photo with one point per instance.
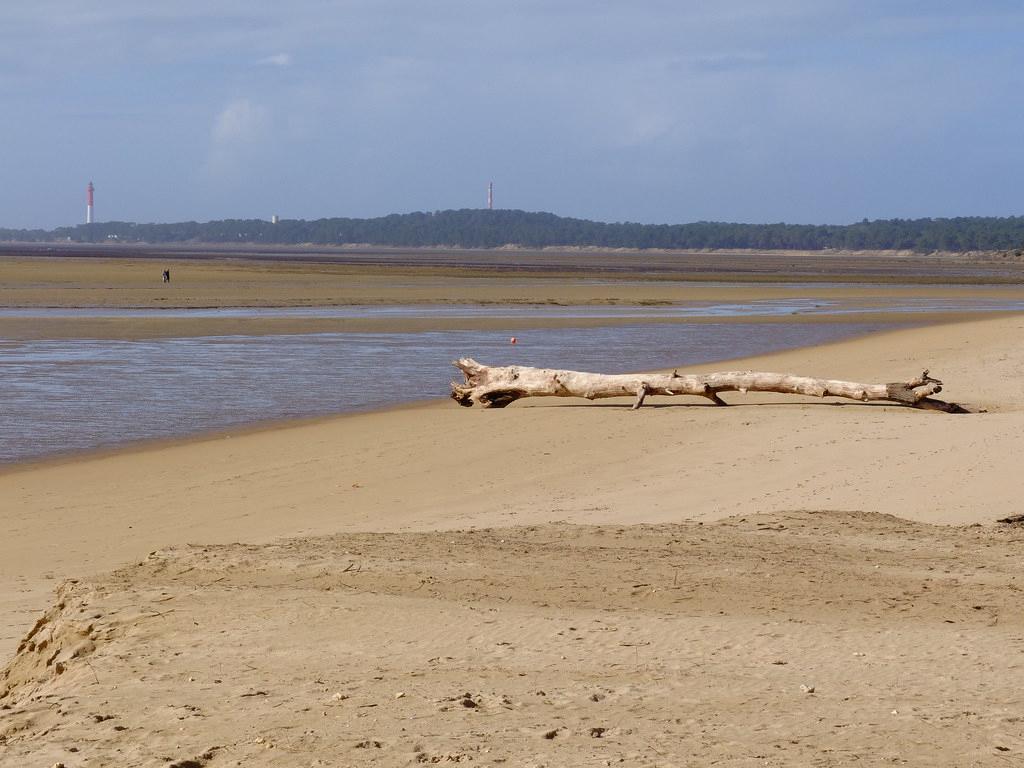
(167, 276)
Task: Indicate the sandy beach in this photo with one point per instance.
(786, 581)
(228, 607)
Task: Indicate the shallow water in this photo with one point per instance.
(762, 307)
(61, 396)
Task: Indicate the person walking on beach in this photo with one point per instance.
(167, 275)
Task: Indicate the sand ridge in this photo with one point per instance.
(808, 638)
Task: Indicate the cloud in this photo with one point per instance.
(241, 121)
(725, 62)
(277, 60)
(240, 138)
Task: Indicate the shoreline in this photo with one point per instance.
(271, 425)
(434, 466)
(150, 445)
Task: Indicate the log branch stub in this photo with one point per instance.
(641, 393)
(708, 392)
(497, 387)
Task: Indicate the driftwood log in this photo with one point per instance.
(496, 387)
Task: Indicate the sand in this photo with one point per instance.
(800, 638)
(660, 587)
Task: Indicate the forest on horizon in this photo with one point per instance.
(482, 228)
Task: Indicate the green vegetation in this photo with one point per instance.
(490, 229)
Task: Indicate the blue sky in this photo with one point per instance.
(806, 111)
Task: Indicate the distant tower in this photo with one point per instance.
(490, 196)
(88, 203)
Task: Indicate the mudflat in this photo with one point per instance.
(213, 281)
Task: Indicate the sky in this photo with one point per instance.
(654, 111)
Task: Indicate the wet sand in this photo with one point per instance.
(121, 283)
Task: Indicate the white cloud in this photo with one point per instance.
(241, 121)
(277, 60)
(240, 137)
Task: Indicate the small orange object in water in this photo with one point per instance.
(512, 340)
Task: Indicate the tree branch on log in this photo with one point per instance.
(496, 387)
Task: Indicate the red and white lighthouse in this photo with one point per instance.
(88, 203)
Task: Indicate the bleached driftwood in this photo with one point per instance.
(496, 387)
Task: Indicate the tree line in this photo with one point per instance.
(476, 228)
